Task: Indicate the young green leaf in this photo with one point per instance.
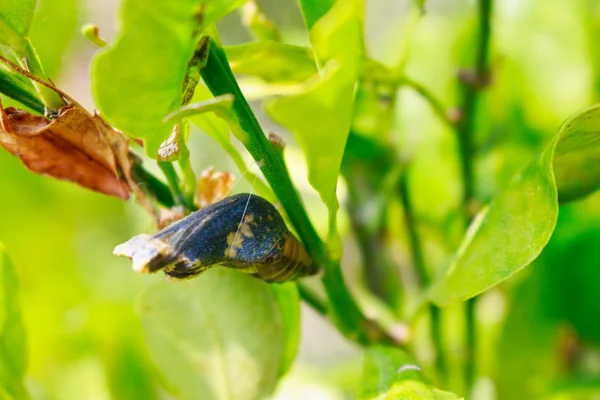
(313, 10)
(512, 231)
(287, 64)
(63, 19)
(220, 336)
(288, 301)
(15, 21)
(389, 373)
(218, 129)
(139, 79)
(15, 87)
(327, 100)
(13, 346)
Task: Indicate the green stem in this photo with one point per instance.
(185, 165)
(17, 89)
(344, 311)
(173, 180)
(418, 258)
(434, 103)
(379, 271)
(312, 299)
(470, 94)
(29, 60)
(152, 186)
(411, 228)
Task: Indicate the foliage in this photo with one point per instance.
(416, 159)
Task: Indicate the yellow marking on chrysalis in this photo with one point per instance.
(245, 230)
(234, 243)
(249, 218)
(270, 217)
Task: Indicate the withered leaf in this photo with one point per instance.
(212, 187)
(76, 146)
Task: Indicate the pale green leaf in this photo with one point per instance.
(138, 80)
(15, 21)
(13, 345)
(288, 301)
(512, 231)
(390, 374)
(14, 86)
(218, 105)
(272, 61)
(320, 117)
(218, 129)
(313, 10)
(62, 17)
(218, 336)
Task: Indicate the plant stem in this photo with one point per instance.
(173, 180)
(434, 103)
(343, 309)
(312, 299)
(379, 271)
(29, 60)
(471, 88)
(152, 186)
(424, 276)
(17, 89)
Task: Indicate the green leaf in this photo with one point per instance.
(139, 79)
(15, 20)
(286, 63)
(13, 346)
(219, 336)
(62, 17)
(313, 10)
(288, 301)
(389, 373)
(512, 231)
(320, 117)
(17, 88)
(218, 105)
(218, 129)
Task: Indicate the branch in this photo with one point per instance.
(472, 84)
(312, 299)
(345, 312)
(434, 103)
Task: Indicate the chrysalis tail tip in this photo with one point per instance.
(142, 250)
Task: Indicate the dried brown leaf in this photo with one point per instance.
(212, 187)
(76, 146)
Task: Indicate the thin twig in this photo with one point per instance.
(345, 312)
(434, 103)
(312, 299)
(173, 180)
(423, 274)
(472, 85)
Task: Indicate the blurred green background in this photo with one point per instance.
(541, 329)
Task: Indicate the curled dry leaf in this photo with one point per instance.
(76, 146)
(212, 187)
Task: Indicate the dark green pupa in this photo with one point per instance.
(244, 232)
